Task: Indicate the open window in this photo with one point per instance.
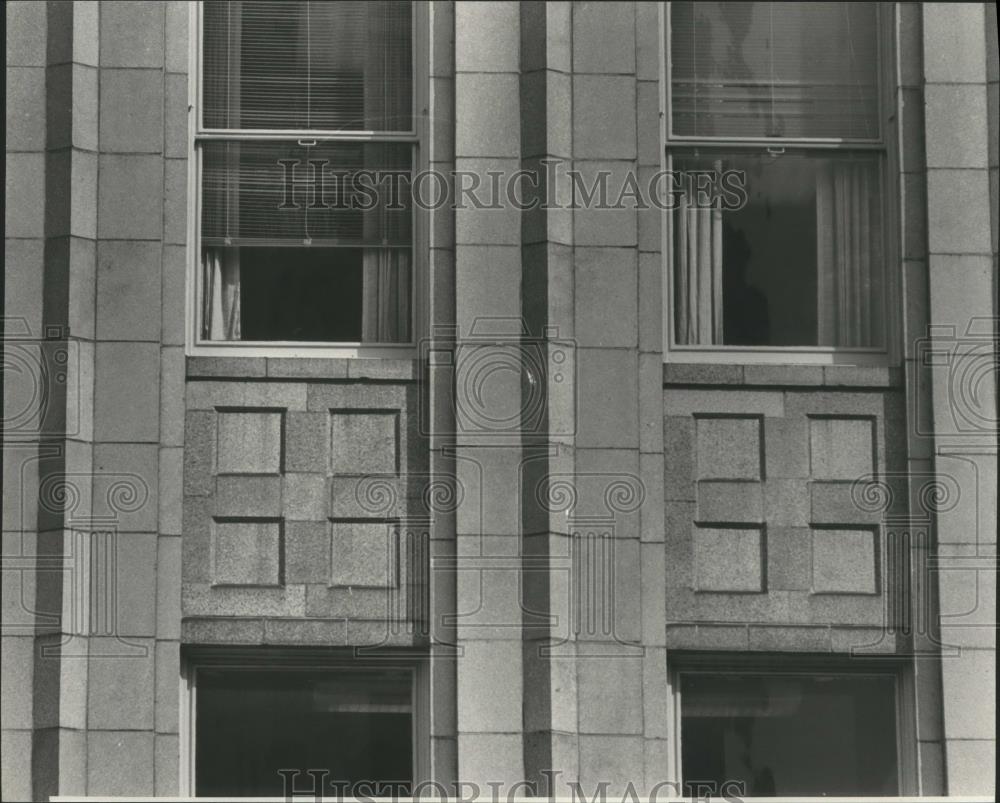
(776, 143)
(259, 728)
(305, 144)
(762, 732)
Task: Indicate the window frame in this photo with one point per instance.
(887, 145)
(799, 664)
(417, 138)
(299, 659)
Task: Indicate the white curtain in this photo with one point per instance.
(848, 254)
(386, 278)
(386, 289)
(221, 296)
(698, 267)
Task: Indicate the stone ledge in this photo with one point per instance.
(306, 368)
(734, 376)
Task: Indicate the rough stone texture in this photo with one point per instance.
(729, 448)
(249, 442)
(246, 553)
(844, 561)
(364, 442)
(364, 554)
(728, 559)
(841, 449)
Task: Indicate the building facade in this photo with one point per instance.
(470, 488)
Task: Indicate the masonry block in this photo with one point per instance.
(721, 501)
(120, 763)
(729, 559)
(595, 223)
(604, 117)
(786, 502)
(364, 554)
(728, 448)
(135, 592)
(490, 665)
(237, 496)
(844, 561)
(604, 37)
(128, 290)
(246, 553)
(126, 485)
(132, 35)
(489, 40)
(24, 180)
(130, 197)
(789, 558)
(841, 448)
(954, 44)
(305, 497)
(307, 552)
(613, 759)
(605, 299)
(607, 412)
(610, 688)
(250, 442)
(205, 600)
(364, 442)
(25, 108)
(121, 694)
(487, 114)
(131, 111)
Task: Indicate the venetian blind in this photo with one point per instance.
(335, 66)
(803, 70)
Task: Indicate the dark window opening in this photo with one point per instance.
(787, 735)
(303, 294)
(355, 726)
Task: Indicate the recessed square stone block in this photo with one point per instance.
(728, 560)
(249, 442)
(363, 554)
(844, 561)
(246, 553)
(841, 448)
(364, 442)
(729, 448)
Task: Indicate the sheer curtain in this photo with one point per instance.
(698, 266)
(848, 253)
(221, 296)
(386, 281)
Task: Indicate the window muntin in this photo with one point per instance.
(354, 724)
(306, 142)
(787, 97)
(789, 733)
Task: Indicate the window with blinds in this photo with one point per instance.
(786, 96)
(306, 143)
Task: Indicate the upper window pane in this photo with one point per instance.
(796, 70)
(344, 66)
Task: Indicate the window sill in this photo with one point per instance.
(302, 368)
(797, 376)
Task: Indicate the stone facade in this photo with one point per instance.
(160, 503)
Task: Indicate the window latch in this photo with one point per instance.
(775, 151)
(307, 143)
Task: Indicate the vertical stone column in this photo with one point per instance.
(488, 400)
(962, 355)
(26, 386)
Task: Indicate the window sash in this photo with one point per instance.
(881, 101)
(201, 135)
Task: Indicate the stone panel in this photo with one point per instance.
(364, 554)
(729, 448)
(250, 442)
(841, 448)
(844, 561)
(364, 442)
(247, 553)
(729, 559)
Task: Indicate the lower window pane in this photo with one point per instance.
(306, 294)
(789, 734)
(795, 260)
(354, 726)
